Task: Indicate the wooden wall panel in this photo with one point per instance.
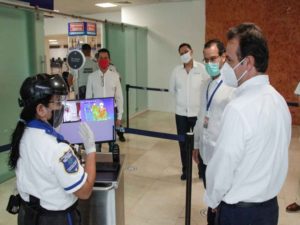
(280, 22)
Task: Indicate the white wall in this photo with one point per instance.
(169, 25)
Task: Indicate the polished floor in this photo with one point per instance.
(154, 193)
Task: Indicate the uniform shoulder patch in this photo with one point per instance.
(70, 162)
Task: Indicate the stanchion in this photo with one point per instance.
(127, 105)
(189, 149)
(140, 88)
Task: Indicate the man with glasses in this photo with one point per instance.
(250, 162)
(186, 84)
(215, 97)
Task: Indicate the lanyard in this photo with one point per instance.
(208, 101)
(46, 127)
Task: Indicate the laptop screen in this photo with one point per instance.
(98, 113)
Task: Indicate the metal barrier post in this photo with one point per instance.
(127, 105)
(189, 149)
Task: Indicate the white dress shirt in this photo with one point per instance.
(187, 88)
(101, 85)
(205, 138)
(250, 162)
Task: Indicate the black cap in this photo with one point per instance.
(41, 86)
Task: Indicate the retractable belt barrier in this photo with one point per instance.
(155, 134)
(140, 88)
(294, 104)
(4, 148)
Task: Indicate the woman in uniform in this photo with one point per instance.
(49, 176)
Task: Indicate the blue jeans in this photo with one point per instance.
(264, 214)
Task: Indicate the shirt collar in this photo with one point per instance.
(39, 124)
(256, 80)
(195, 65)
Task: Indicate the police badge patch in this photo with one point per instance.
(70, 162)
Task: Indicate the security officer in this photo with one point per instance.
(50, 178)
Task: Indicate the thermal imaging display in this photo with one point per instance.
(98, 113)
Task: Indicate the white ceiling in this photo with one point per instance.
(85, 7)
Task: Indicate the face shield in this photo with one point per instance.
(57, 107)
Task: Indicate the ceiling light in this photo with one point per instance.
(52, 40)
(106, 5)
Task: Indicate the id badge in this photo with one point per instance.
(205, 122)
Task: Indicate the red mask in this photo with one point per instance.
(103, 63)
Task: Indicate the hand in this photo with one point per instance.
(215, 210)
(118, 123)
(88, 138)
(196, 156)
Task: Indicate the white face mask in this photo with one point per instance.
(229, 76)
(185, 58)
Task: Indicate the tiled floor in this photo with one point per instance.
(154, 194)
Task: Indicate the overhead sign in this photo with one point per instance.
(75, 59)
(82, 28)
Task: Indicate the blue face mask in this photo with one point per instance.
(212, 69)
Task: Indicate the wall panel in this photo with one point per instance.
(280, 23)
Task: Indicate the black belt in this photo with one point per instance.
(252, 204)
(44, 211)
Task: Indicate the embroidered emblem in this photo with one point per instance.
(70, 162)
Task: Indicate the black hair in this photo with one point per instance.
(218, 43)
(34, 91)
(184, 44)
(105, 51)
(86, 47)
(28, 113)
(251, 42)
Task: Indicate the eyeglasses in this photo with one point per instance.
(212, 59)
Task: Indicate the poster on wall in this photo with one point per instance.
(82, 28)
(82, 32)
(76, 29)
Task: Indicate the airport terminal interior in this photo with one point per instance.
(153, 191)
(143, 38)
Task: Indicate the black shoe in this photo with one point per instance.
(122, 138)
(183, 176)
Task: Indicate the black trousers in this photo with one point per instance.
(261, 214)
(184, 124)
(68, 218)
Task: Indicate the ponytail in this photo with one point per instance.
(28, 113)
(15, 143)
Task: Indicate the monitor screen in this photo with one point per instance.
(98, 113)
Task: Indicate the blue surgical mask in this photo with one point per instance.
(212, 69)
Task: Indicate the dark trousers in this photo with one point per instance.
(263, 214)
(69, 218)
(211, 217)
(184, 124)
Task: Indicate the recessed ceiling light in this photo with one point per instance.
(106, 5)
(52, 40)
